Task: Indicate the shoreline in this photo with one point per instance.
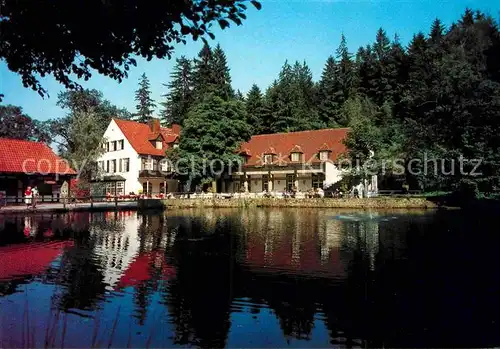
(59, 208)
(362, 203)
(165, 204)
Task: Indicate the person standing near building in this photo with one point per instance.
(35, 195)
(28, 195)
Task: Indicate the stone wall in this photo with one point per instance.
(320, 203)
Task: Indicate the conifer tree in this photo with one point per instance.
(437, 32)
(305, 98)
(239, 96)
(382, 45)
(367, 71)
(145, 104)
(256, 110)
(221, 74)
(327, 89)
(293, 100)
(395, 68)
(179, 97)
(345, 71)
(202, 73)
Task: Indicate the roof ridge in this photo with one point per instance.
(304, 131)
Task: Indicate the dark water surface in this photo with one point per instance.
(250, 278)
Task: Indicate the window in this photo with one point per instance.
(147, 164)
(121, 144)
(113, 146)
(164, 165)
(268, 159)
(112, 166)
(107, 166)
(100, 166)
(159, 144)
(265, 182)
(236, 187)
(119, 186)
(290, 182)
(126, 165)
(107, 146)
(295, 157)
(147, 188)
(317, 180)
(323, 155)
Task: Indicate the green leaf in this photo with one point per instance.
(257, 4)
(223, 23)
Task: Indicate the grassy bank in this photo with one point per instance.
(383, 202)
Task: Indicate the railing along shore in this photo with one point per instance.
(116, 199)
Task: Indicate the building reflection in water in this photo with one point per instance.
(201, 275)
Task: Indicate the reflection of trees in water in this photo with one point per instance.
(273, 257)
(199, 298)
(301, 263)
(80, 274)
(152, 236)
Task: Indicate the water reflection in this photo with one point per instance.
(252, 278)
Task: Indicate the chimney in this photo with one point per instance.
(176, 128)
(154, 125)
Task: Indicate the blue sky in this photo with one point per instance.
(295, 30)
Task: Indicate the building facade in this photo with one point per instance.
(294, 161)
(134, 160)
(25, 163)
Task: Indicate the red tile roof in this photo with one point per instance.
(139, 136)
(19, 156)
(309, 142)
(296, 149)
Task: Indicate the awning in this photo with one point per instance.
(113, 178)
(29, 259)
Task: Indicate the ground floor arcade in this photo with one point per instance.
(273, 182)
(13, 185)
(120, 186)
(295, 181)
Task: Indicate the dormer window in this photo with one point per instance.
(324, 155)
(268, 158)
(176, 145)
(158, 144)
(296, 153)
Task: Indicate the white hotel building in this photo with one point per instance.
(134, 158)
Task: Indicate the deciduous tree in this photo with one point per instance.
(212, 132)
(17, 125)
(64, 44)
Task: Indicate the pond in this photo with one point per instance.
(250, 278)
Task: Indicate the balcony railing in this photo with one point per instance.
(154, 173)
